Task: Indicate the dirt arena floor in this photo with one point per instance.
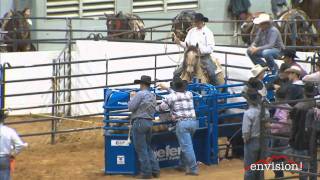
(79, 156)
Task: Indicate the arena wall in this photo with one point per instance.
(86, 50)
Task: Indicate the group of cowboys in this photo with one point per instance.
(292, 83)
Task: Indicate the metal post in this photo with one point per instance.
(215, 115)
(236, 25)
(151, 34)
(53, 108)
(263, 121)
(69, 22)
(155, 72)
(226, 67)
(107, 71)
(3, 79)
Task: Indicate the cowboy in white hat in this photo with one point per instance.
(295, 88)
(267, 43)
(258, 73)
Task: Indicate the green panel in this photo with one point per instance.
(214, 9)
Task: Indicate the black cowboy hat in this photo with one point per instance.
(178, 84)
(254, 83)
(289, 53)
(200, 17)
(309, 89)
(143, 80)
(252, 96)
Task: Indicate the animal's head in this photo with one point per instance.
(248, 27)
(191, 59)
(16, 21)
(182, 23)
(116, 22)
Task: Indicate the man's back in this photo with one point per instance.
(8, 139)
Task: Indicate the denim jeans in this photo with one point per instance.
(252, 154)
(269, 55)
(184, 132)
(141, 134)
(4, 168)
(206, 61)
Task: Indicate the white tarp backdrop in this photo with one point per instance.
(88, 50)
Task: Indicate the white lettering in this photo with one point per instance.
(253, 167)
(168, 153)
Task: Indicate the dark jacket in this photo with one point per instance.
(299, 138)
(236, 7)
(295, 92)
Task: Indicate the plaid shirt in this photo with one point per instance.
(180, 105)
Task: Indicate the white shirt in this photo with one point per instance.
(10, 142)
(203, 37)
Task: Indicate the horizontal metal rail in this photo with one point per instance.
(95, 60)
(61, 131)
(54, 105)
(50, 119)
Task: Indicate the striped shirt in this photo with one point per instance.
(180, 104)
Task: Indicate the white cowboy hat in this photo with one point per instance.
(262, 18)
(257, 69)
(294, 69)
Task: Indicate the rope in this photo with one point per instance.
(166, 51)
(69, 119)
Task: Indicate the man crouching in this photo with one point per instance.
(180, 103)
(142, 105)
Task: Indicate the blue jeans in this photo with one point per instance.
(252, 154)
(269, 55)
(141, 134)
(184, 132)
(4, 168)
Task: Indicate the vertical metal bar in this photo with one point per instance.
(107, 71)
(53, 122)
(3, 85)
(236, 32)
(215, 142)
(155, 72)
(151, 34)
(226, 68)
(69, 65)
(263, 138)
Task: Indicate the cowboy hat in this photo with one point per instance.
(309, 89)
(293, 69)
(252, 96)
(257, 70)
(289, 53)
(143, 80)
(200, 17)
(262, 18)
(178, 84)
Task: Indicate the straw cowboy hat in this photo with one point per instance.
(257, 69)
(293, 69)
(262, 18)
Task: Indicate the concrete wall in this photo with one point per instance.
(214, 9)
